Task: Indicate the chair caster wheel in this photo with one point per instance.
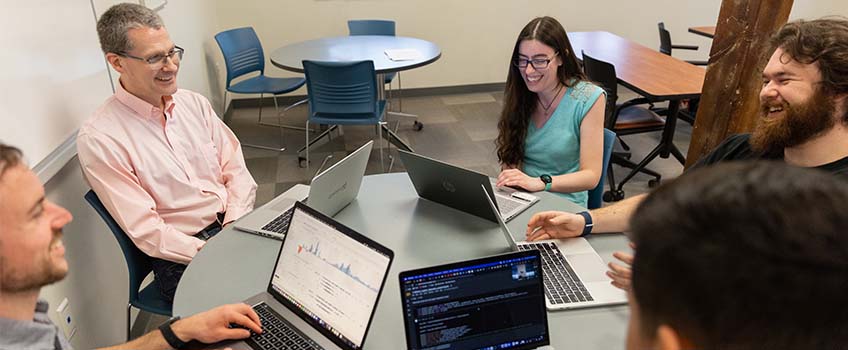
(653, 183)
(301, 162)
(417, 126)
(613, 196)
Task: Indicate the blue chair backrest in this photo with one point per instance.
(596, 194)
(242, 52)
(341, 89)
(138, 263)
(371, 27)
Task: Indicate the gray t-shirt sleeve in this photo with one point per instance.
(38, 334)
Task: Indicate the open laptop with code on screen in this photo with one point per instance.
(495, 302)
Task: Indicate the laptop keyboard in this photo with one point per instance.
(562, 286)
(281, 223)
(278, 333)
(506, 205)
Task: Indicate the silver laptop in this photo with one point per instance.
(324, 288)
(458, 188)
(575, 275)
(330, 191)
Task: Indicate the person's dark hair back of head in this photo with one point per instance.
(745, 256)
(9, 157)
(519, 102)
(823, 41)
(115, 23)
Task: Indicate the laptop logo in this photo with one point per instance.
(340, 189)
(448, 186)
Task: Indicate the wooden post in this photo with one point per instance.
(730, 98)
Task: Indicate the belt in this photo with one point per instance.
(213, 228)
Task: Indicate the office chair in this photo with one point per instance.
(665, 47)
(383, 27)
(627, 118)
(596, 194)
(243, 54)
(138, 267)
(343, 93)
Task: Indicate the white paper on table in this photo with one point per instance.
(402, 54)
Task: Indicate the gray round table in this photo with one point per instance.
(235, 265)
(356, 48)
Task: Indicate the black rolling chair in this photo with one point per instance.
(665, 47)
(627, 118)
(138, 267)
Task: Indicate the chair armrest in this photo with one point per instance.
(685, 47)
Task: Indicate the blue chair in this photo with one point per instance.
(343, 93)
(376, 27)
(243, 54)
(596, 194)
(138, 267)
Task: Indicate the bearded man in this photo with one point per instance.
(804, 122)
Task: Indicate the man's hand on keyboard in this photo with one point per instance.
(215, 325)
(621, 274)
(516, 178)
(554, 224)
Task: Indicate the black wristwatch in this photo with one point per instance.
(587, 226)
(547, 180)
(170, 336)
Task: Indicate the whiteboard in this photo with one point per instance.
(53, 75)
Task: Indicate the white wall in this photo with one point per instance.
(476, 38)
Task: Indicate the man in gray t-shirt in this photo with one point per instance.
(32, 256)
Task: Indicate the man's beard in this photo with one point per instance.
(798, 124)
(16, 279)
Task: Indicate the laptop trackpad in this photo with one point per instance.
(589, 267)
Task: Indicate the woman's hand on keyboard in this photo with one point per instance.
(516, 178)
(621, 274)
(215, 325)
(554, 224)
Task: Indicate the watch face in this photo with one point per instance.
(546, 178)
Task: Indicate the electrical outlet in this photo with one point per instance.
(66, 319)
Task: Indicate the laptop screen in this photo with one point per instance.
(331, 275)
(489, 303)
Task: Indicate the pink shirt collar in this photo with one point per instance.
(142, 107)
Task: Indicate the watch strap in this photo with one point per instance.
(587, 227)
(169, 335)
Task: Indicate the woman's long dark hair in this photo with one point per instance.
(519, 102)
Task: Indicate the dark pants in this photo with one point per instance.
(168, 273)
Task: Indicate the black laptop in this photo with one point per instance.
(496, 302)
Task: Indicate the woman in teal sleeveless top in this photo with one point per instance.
(551, 129)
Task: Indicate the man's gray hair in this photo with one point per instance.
(9, 157)
(113, 25)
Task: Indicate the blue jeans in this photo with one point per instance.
(168, 273)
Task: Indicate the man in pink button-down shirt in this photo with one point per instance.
(165, 166)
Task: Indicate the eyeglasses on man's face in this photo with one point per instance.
(537, 63)
(158, 61)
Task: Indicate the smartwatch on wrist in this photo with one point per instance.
(547, 180)
(170, 336)
(587, 228)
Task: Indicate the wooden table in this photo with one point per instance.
(648, 72)
(707, 31)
